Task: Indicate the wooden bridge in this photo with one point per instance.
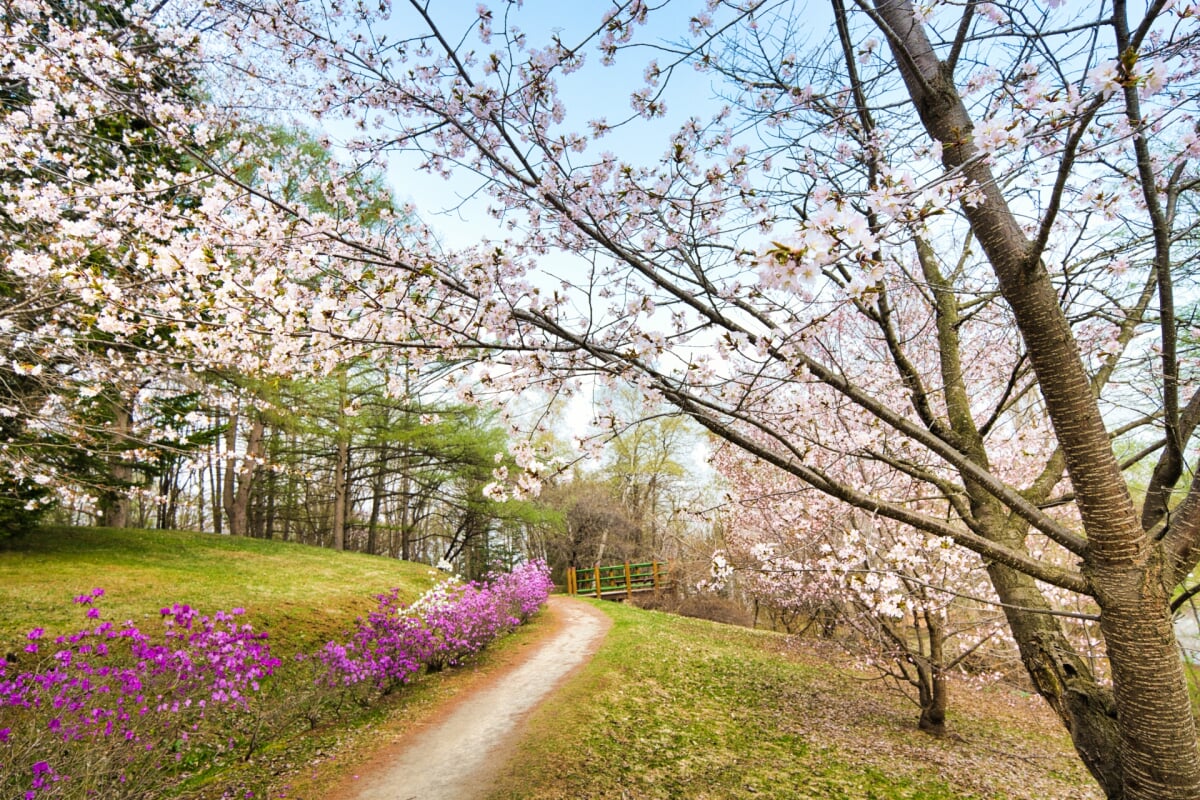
(618, 580)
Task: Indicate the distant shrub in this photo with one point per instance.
(448, 623)
(704, 605)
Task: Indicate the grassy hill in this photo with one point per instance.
(681, 708)
(669, 708)
(302, 595)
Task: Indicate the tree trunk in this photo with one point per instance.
(239, 480)
(218, 485)
(115, 512)
(934, 690)
(272, 501)
(934, 696)
(289, 511)
(340, 491)
(168, 495)
(1158, 735)
(378, 484)
(201, 499)
(1153, 755)
(601, 547)
(233, 513)
(1062, 677)
(406, 503)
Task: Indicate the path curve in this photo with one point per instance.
(456, 757)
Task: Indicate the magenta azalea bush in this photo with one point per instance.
(97, 710)
(113, 712)
(448, 623)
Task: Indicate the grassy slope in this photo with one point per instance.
(669, 708)
(302, 595)
(681, 708)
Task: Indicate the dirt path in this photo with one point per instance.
(455, 756)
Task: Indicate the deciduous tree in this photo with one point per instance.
(827, 272)
(927, 181)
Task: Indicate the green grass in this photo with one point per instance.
(302, 595)
(669, 707)
(681, 708)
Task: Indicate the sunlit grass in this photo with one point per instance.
(302, 595)
(673, 707)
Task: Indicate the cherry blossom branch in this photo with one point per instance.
(700, 410)
(1172, 458)
(1048, 612)
(1104, 502)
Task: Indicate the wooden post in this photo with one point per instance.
(571, 581)
(655, 570)
(628, 582)
(596, 572)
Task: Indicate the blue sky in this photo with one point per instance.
(594, 92)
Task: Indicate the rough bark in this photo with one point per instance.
(1064, 679)
(239, 480)
(1155, 753)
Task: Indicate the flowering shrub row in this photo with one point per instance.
(448, 623)
(107, 712)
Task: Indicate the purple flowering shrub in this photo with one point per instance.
(100, 712)
(112, 712)
(448, 623)
(385, 649)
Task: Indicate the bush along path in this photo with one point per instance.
(114, 712)
(457, 756)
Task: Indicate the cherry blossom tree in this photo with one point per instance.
(863, 228)
(70, 386)
(948, 239)
(914, 607)
(151, 249)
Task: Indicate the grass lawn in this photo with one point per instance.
(669, 708)
(682, 708)
(302, 595)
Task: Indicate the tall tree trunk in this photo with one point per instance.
(406, 502)
(272, 498)
(341, 468)
(115, 512)
(378, 485)
(239, 480)
(218, 486)
(1155, 755)
(168, 495)
(233, 514)
(201, 510)
(290, 510)
(340, 492)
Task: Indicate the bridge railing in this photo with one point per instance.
(618, 579)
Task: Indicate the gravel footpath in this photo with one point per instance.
(455, 757)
